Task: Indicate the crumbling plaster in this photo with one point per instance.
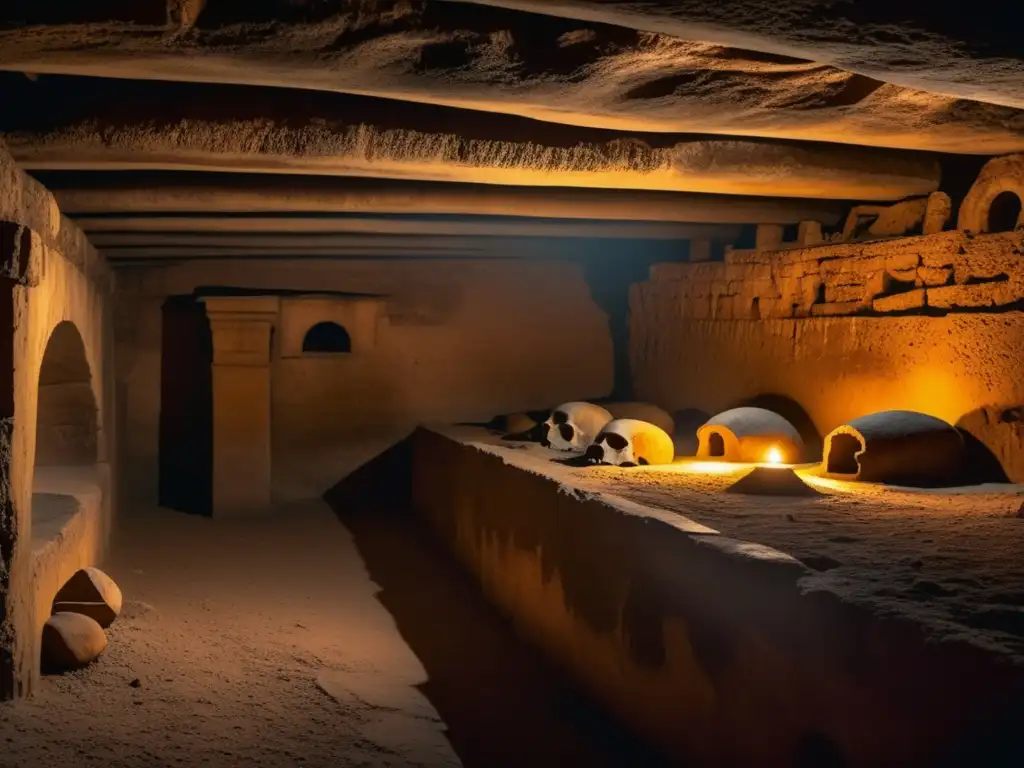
(931, 323)
(63, 279)
(453, 341)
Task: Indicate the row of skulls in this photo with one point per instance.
(592, 431)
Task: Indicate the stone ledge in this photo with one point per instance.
(67, 527)
(710, 647)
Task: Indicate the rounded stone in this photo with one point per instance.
(91, 585)
(71, 641)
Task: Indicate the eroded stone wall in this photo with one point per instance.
(932, 323)
(50, 275)
(441, 342)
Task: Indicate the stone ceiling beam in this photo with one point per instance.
(98, 228)
(725, 167)
(111, 242)
(945, 48)
(559, 70)
(111, 125)
(179, 253)
(236, 193)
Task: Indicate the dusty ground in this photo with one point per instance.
(950, 559)
(266, 643)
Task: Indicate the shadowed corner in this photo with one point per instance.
(503, 704)
(979, 429)
(815, 750)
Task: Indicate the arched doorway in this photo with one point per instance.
(1004, 215)
(67, 427)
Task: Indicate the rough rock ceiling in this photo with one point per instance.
(965, 50)
(704, 113)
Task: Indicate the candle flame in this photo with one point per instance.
(774, 456)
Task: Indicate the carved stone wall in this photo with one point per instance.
(948, 271)
(932, 323)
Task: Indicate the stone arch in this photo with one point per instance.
(67, 414)
(327, 337)
(995, 196)
(1004, 214)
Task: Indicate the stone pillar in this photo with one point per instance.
(241, 328)
(937, 213)
(19, 644)
(808, 233)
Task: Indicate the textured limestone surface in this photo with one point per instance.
(946, 558)
(943, 50)
(715, 623)
(944, 271)
(58, 281)
(90, 124)
(930, 324)
(623, 71)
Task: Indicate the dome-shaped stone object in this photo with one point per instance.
(631, 443)
(71, 641)
(652, 414)
(87, 588)
(749, 434)
(896, 447)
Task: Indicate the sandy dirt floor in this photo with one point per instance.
(274, 642)
(952, 559)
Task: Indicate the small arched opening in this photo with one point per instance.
(1004, 213)
(716, 445)
(327, 337)
(842, 455)
(67, 436)
(67, 431)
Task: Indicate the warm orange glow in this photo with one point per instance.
(774, 456)
(711, 467)
(708, 467)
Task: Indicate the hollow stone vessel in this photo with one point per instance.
(896, 447)
(749, 434)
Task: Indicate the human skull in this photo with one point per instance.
(631, 443)
(572, 426)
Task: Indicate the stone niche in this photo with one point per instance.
(304, 320)
(749, 435)
(897, 447)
